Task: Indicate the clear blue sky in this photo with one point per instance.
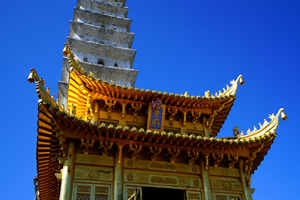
(181, 46)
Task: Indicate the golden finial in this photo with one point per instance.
(234, 85)
(206, 94)
(32, 76)
(283, 115)
(66, 50)
(267, 127)
(186, 94)
(254, 128)
(242, 82)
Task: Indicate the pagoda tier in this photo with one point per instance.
(101, 41)
(112, 55)
(101, 35)
(59, 124)
(115, 8)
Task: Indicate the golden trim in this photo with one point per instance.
(266, 127)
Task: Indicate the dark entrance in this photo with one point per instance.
(151, 193)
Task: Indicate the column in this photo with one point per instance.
(206, 185)
(243, 179)
(118, 182)
(66, 172)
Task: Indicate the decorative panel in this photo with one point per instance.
(101, 192)
(230, 172)
(95, 160)
(221, 197)
(226, 184)
(83, 192)
(161, 166)
(162, 179)
(93, 173)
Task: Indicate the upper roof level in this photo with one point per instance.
(103, 101)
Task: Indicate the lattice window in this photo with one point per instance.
(91, 192)
(227, 197)
(101, 192)
(193, 195)
(234, 198)
(83, 192)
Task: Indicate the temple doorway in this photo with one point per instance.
(152, 193)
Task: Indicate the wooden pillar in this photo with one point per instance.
(243, 179)
(66, 175)
(118, 177)
(206, 185)
(123, 119)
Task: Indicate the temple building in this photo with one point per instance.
(104, 139)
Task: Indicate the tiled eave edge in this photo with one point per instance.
(253, 148)
(47, 143)
(220, 107)
(204, 145)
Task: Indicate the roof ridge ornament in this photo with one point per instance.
(72, 60)
(43, 93)
(229, 90)
(33, 76)
(267, 127)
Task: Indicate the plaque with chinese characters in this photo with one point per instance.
(156, 115)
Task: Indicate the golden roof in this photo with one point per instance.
(83, 87)
(54, 120)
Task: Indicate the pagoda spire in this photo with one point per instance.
(101, 41)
